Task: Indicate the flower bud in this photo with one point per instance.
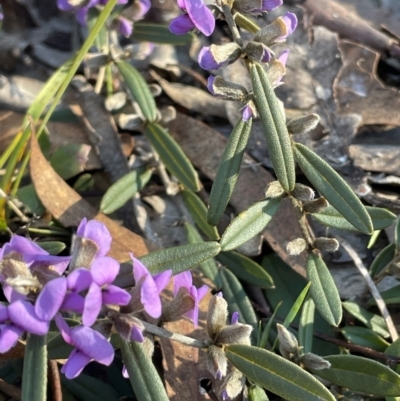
(227, 90)
(216, 361)
(303, 193)
(313, 361)
(128, 327)
(233, 384)
(326, 244)
(270, 34)
(217, 56)
(288, 345)
(296, 246)
(235, 334)
(274, 190)
(217, 315)
(178, 307)
(303, 124)
(316, 205)
(83, 253)
(257, 51)
(276, 70)
(249, 111)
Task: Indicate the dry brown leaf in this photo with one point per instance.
(69, 208)
(204, 147)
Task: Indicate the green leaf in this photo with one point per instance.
(384, 257)
(394, 350)
(381, 218)
(158, 33)
(246, 23)
(198, 211)
(364, 337)
(180, 258)
(69, 160)
(262, 343)
(323, 290)
(277, 374)
(246, 269)
(397, 234)
(329, 184)
(256, 393)
(209, 267)
(139, 90)
(172, 156)
(228, 171)
(249, 223)
(144, 378)
(390, 296)
(34, 379)
(88, 388)
(237, 300)
(52, 247)
(361, 374)
(124, 189)
(296, 306)
(374, 322)
(306, 326)
(274, 127)
(28, 196)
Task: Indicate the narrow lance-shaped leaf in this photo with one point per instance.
(361, 374)
(246, 269)
(124, 189)
(144, 378)
(306, 326)
(381, 218)
(172, 156)
(323, 290)
(139, 90)
(208, 267)
(198, 211)
(158, 33)
(364, 337)
(180, 258)
(277, 374)
(34, 379)
(329, 184)
(257, 393)
(274, 127)
(228, 171)
(384, 257)
(249, 223)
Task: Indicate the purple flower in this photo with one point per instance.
(291, 22)
(96, 232)
(198, 16)
(249, 111)
(210, 83)
(150, 287)
(89, 345)
(184, 280)
(125, 26)
(16, 318)
(269, 5)
(235, 318)
(207, 60)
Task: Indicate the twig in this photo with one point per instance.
(372, 287)
(54, 380)
(160, 332)
(10, 390)
(14, 207)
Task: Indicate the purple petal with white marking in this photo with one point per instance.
(23, 315)
(51, 298)
(58, 263)
(98, 233)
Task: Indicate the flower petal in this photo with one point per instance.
(181, 25)
(9, 335)
(51, 298)
(202, 291)
(139, 269)
(92, 344)
(269, 5)
(162, 279)
(64, 5)
(113, 295)
(137, 334)
(98, 233)
(92, 305)
(184, 280)
(201, 16)
(291, 22)
(150, 298)
(79, 280)
(125, 26)
(73, 302)
(104, 270)
(65, 330)
(3, 313)
(58, 263)
(23, 315)
(75, 364)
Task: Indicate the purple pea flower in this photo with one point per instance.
(198, 15)
(207, 60)
(89, 345)
(184, 281)
(291, 22)
(16, 318)
(150, 287)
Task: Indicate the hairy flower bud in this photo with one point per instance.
(303, 193)
(178, 307)
(257, 51)
(288, 345)
(235, 334)
(270, 34)
(216, 361)
(217, 56)
(313, 361)
(274, 190)
(217, 315)
(128, 327)
(227, 90)
(296, 246)
(316, 205)
(276, 70)
(303, 124)
(249, 111)
(233, 384)
(326, 244)
(83, 252)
